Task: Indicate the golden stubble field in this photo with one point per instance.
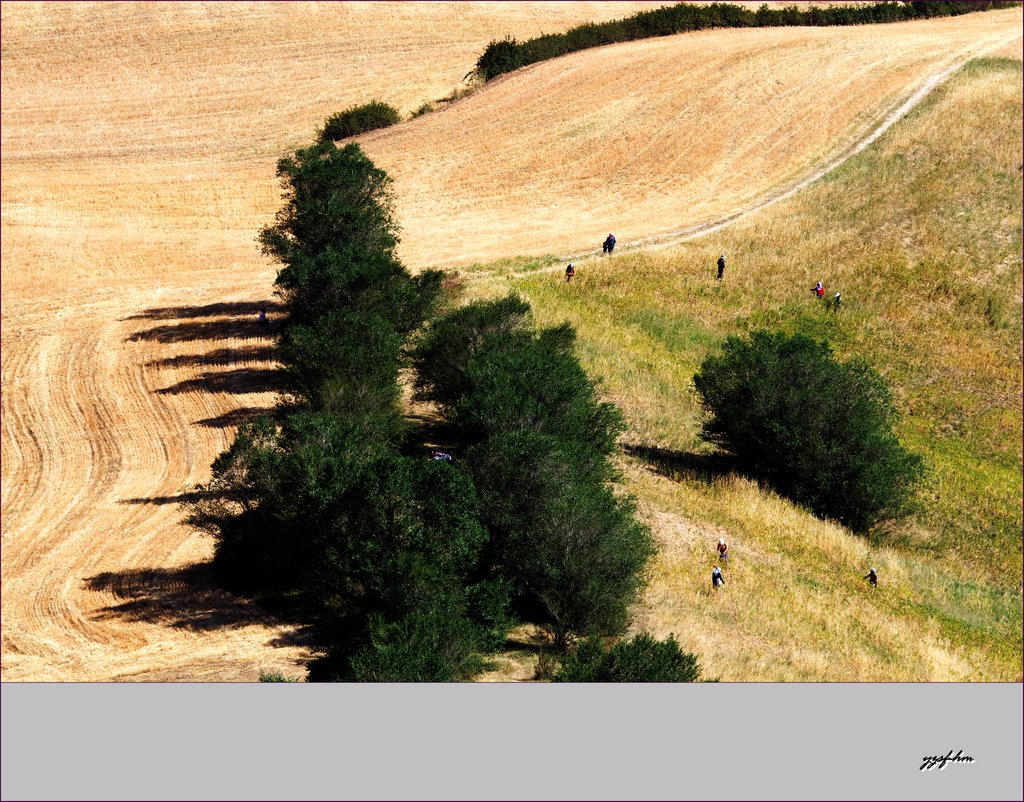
(138, 146)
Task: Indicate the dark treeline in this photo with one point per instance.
(408, 567)
(508, 54)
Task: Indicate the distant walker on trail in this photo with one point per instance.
(609, 244)
(819, 290)
(723, 551)
(836, 301)
(570, 271)
(721, 266)
(263, 315)
(872, 577)
(717, 580)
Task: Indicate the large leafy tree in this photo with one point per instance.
(818, 430)
(539, 442)
(334, 197)
(349, 301)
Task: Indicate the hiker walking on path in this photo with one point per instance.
(721, 266)
(570, 271)
(717, 580)
(609, 244)
(723, 551)
(872, 577)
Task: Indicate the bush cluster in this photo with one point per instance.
(538, 445)
(410, 568)
(322, 504)
(817, 430)
(358, 120)
(642, 659)
(506, 55)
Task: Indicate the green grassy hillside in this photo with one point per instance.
(922, 235)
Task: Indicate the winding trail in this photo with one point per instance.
(673, 237)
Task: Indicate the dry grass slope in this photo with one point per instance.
(922, 234)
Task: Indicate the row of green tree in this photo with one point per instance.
(509, 54)
(410, 568)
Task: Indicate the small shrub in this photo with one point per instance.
(547, 664)
(359, 120)
(642, 659)
(498, 58)
(426, 108)
(434, 642)
(275, 676)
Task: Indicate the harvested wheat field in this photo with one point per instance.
(139, 143)
(138, 150)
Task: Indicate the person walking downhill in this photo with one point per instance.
(872, 577)
(819, 290)
(570, 271)
(609, 244)
(837, 301)
(723, 551)
(721, 266)
(717, 580)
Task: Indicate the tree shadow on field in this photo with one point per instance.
(231, 367)
(236, 417)
(180, 498)
(238, 382)
(230, 329)
(684, 464)
(237, 320)
(184, 598)
(219, 356)
(222, 309)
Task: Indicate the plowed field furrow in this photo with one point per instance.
(65, 470)
(22, 454)
(73, 533)
(98, 576)
(138, 151)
